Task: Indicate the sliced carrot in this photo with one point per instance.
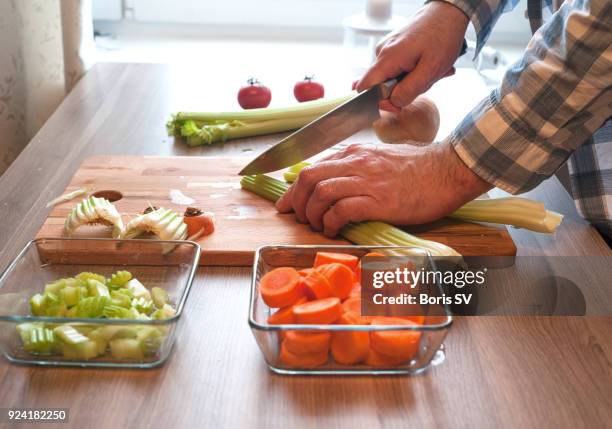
(323, 311)
(316, 285)
(340, 278)
(375, 358)
(357, 273)
(301, 361)
(350, 347)
(307, 342)
(356, 291)
(281, 287)
(305, 271)
(358, 268)
(399, 344)
(353, 306)
(323, 258)
(419, 320)
(199, 224)
(284, 316)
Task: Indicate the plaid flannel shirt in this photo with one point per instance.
(555, 102)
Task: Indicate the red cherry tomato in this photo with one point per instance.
(254, 95)
(308, 89)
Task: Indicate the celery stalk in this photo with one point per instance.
(205, 134)
(309, 108)
(199, 128)
(516, 211)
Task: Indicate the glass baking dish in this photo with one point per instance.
(438, 320)
(170, 265)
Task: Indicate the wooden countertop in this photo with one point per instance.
(499, 371)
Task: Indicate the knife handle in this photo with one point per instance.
(386, 88)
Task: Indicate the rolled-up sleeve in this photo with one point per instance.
(483, 14)
(550, 102)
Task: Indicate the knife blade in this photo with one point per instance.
(338, 124)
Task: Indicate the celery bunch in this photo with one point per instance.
(204, 128)
(516, 211)
(519, 212)
(365, 233)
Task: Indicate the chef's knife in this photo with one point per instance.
(338, 124)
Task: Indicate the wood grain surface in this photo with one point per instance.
(499, 372)
(243, 220)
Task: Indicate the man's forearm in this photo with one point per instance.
(550, 101)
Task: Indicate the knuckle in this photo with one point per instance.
(306, 176)
(323, 191)
(342, 210)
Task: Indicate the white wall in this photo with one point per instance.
(305, 18)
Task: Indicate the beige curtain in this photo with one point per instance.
(45, 48)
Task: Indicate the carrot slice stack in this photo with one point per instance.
(320, 311)
(281, 287)
(350, 347)
(395, 344)
(317, 286)
(307, 342)
(340, 278)
(323, 258)
(301, 361)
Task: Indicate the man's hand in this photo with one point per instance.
(426, 48)
(397, 183)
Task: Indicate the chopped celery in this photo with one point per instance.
(165, 312)
(97, 288)
(71, 295)
(120, 299)
(150, 339)
(41, 341)
(93, 306)
(88, 276)
(37, 305)
(160, 297)
(142, 305)
(89, 295)
(116, 312)
(138, 290)
(86, 350)
(124, 332)
(55, 287)
(83, 329)
(51, 298)
(69, 335)
(292, 172)
(119, 279)
(57, 309)
(125, 292)
(24, 329)
(126, 348)
(101, 344)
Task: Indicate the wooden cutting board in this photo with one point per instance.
(243, 220)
